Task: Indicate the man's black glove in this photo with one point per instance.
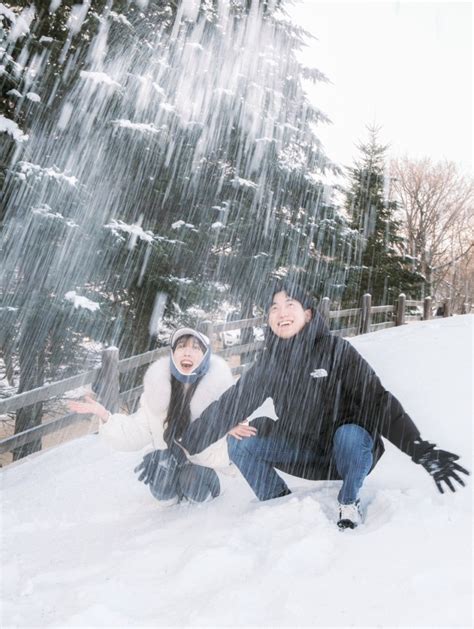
(439, 464)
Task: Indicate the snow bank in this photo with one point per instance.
(135, 230)
(84, 544)
(20, 23)
(182, 223)
(29, 169)
(79, 301)
(8, 13)
(10, 127)
(35, 98)
(244, 183)
(142, 127)
(99, 78)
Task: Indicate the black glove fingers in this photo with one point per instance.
(459, 468)
(458, 479)
(448, 482)
(143, 469)
(440, 464)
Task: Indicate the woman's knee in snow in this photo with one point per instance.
(163, 491)
(197, 483)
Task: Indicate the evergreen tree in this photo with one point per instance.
(379, 266)
(45, 46)
(187, 166)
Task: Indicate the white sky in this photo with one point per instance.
(406, 66)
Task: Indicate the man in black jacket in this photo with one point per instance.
(332, 412)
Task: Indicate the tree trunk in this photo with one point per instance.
(31, 376)
(32, 360)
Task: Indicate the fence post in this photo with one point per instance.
(366, 313)
(324, 309)
(208, 330)
(108, 383)
(427, 309)
(400, 320)
(447, 308)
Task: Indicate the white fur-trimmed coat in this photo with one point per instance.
(146, 426)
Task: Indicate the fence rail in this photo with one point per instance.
(107, 376)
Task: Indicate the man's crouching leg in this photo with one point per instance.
(352, 451)
(253, 456)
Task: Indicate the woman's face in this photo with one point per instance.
(188, 354)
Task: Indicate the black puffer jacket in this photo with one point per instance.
(318, 382)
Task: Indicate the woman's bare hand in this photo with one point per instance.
(89, 407)
(242, 431)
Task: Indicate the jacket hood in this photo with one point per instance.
(203, 366)
(198, 372)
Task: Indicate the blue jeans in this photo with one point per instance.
(193, 482)
(256, 457)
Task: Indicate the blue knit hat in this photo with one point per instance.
(203, 366)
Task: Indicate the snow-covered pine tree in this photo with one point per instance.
(379, 266)
(45, 46)
(164, 156)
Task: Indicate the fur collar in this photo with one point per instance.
(157, 386)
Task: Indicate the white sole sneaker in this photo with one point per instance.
(350, 515)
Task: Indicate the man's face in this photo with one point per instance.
(287, 316)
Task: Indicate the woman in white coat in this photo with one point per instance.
(176, 391)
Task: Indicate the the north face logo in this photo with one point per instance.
(319, 373)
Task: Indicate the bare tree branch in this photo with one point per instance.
(436, 203)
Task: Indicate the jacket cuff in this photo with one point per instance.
(419, 448)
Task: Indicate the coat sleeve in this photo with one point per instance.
(233, 406)
(130, 432)
(372, 405)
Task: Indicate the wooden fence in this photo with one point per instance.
(349, 322)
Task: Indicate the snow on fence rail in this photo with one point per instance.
(107, 377)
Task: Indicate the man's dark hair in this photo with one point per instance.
(294, 288)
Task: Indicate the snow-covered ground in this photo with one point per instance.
(84, 544)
